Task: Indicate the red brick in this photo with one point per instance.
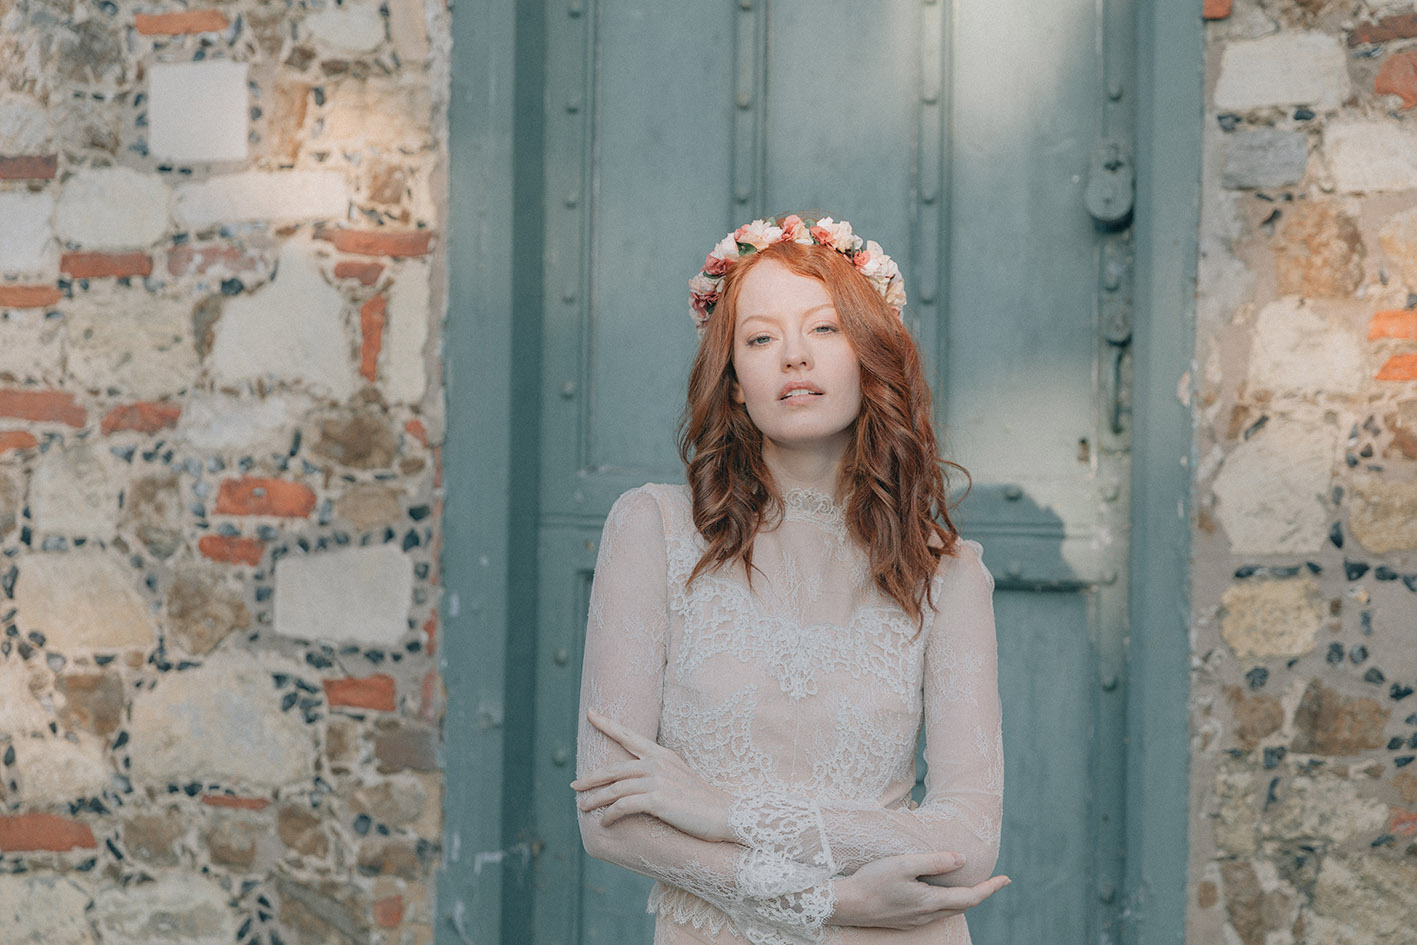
(380, 242)
(42, 405)
(16, 440)
(430, 631)
(388, 912)
(1216, 9)
(254, 495)
(187, 257)
(367, 273)
(362, 692)
(420, 432)
(144, 417)
(229, 549)
(23, 832)
(1399, 367)
(1398, 76)
(1393, 323)
(98, 265)
(239, 803)
(29, 167)
(183, 21)
(28, 296)
(1400, 26)
(1403, 823)
(371, 330)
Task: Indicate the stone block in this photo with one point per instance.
(355, 27)
(219, 423)
(378, 113)
(1272, 487)
(399, 857)
(275, 196)
(1323, 809)
(410, 308)
(12, 500)
(197, 111)
(256, 337)
(1253, 911)
(33, 352)
(369, 505)
(362, 439)
(1283, 69)
(1382, 514)
(75, 491)
(83, 600)
(176, 909)
(27, 238)
(43, 909)
(1279, 618)
(59, 771)
(153, 511)
(1318, 251)
(92, 701)
(20, 710)
(222, 721)
(234, 840)
(129, 340)
(1300, 350)
(24, 127)
(1398, 238)
(1253, 716)
(325, 913)
(397, 800)
(1327, 722)
(408, 30)
(155, 838)
(202, 610)
(352, 595)
(1363, 899)
(1366, 156)
(1265, 157)
(302, 830)
(112, 208)
(407, 747)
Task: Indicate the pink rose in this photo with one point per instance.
(794, 230)
(716, 265)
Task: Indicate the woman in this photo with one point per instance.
(765, 643)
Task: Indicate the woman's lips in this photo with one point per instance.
(798, 389)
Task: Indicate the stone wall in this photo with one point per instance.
(220, 404)
(1304, 722)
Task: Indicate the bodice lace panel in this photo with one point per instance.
(801, 694)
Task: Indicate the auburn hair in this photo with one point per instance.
(892, 474)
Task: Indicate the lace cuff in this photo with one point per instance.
(785, 824)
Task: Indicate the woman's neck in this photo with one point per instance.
(814, 468)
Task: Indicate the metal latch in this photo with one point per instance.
(1111, 183)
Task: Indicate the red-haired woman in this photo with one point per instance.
(765, 643)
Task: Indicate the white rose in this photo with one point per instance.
(759, 234)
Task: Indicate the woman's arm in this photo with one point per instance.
(962, 808)
(775, 898)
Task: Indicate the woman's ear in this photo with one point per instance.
(738, 397)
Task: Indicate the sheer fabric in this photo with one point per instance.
(801, 695)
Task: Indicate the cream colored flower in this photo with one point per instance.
(760, 234)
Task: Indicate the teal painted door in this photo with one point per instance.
(971, 140)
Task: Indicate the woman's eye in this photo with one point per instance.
(826, 328)
(759, 340)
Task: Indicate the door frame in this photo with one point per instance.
(491, 363)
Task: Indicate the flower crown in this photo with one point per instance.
(867, 256)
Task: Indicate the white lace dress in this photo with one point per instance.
(802, 697)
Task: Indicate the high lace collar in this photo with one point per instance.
(811, 505)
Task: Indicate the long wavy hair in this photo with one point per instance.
(892, 474)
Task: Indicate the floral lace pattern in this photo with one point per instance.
(801, 695)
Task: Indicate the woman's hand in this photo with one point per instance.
(896, 892)
(655, 782)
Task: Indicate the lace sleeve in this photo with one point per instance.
(963, 805)
(772, 898)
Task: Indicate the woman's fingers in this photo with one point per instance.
(633, 742)
(960, 898)
(612, 772)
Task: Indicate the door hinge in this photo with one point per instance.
(1111, 183)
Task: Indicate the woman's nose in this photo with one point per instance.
(795, 353)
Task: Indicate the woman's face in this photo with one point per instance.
(798, 376)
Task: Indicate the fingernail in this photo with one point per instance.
(959, 860)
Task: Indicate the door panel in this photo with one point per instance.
(959, 136)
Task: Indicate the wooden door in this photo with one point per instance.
(979, 143)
